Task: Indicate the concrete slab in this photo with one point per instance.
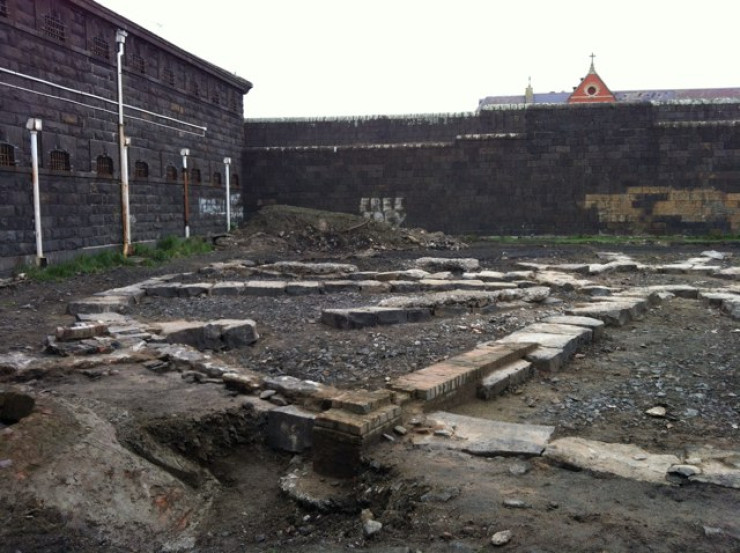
(486, 438)
(625, 460)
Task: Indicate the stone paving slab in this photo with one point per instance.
(612, 314)
(99, 304)
(596, 325)
(625, 460)
(484, 437)
(569, 343)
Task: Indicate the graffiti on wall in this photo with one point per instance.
(217, 206)
(389, 210)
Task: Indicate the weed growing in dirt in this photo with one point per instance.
(167, 248)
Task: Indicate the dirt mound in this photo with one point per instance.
(293, 229)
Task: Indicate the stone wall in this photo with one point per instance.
(58, 63)
(617, 168)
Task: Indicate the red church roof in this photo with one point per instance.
(592, 89)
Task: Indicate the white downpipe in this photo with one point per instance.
(227, 162)
(125, 212)
(185, 152)
(34, 125)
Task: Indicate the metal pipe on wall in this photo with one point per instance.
(122, 145)
(34, 126)
(186, 202)
(227, 162)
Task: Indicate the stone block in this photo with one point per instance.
(227, 288)
(303, 288)
(404, 286)
(194, 289)
(164, 289)
(374, 286)
(236, 333)
(80, 331)
(290, 428)
(264, 288)
(502, 379)
(338, 286)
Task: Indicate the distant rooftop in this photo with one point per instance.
(592, 88)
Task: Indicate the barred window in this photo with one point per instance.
(99, 47)
(7, 155)
(54, 27)
(141, 170)
(138, 63)
(104, 166)
(216, 178)
(195, 176)
(170, 173)
(3, 8)
(168, 76)
(59, 161)
(234, 180)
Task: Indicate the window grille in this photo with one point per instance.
(7, 155)
(234, 180)
(104, 166)
(216, 178)
(195, 176)
(169, 76)
(141, 170)
(54, 27)
(138, 63)
(59, 161)
(171, 173)
(100, 47)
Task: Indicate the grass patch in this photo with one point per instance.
(167, 248)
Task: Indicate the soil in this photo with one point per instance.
(682, 355)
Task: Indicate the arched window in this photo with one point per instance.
(234, 180)
(104, 166)
(170, 173)
(216, 179)
(141, 170)
(195, 176)
(7, 155)
(59, 161)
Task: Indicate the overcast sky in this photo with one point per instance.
(313, 58)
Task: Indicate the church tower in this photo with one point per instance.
(592, 89)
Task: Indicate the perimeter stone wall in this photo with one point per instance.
(570, 169)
